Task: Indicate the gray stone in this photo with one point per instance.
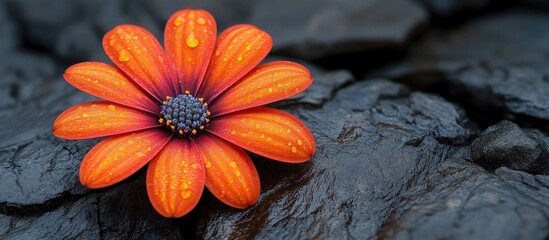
(496, 67)
(313, 29)
(463, 201)
(506, 144)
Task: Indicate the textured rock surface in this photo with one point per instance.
(371, 132)
(506, 144)
(462, 201)
(314, 29)
(391, 161)
(497, 72)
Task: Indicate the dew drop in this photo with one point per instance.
(124, 56)
(232, 164)
(201, 21)
(294, 150)
(299, 142)
(112, 42)
(270, 90)
(233, 132)
(222, 194)
(140, 155)
(111, 107)
(208, 164)
(186, 170)
(85, 115)
(289, 143)
(239, 58)
(191, 40)
(257, 126)
(237, 173)
(194, 166)
(178, 22)
(117, 83)
(186, 194)
(262, 136)
(248, 47)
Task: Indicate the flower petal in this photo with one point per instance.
(189, 39)
(267, 132)
(110, 83)
(116, 158)
(265, 84)
(230, 173)
(238, 49)
(175, 178)
(137, 52)
(99, 119)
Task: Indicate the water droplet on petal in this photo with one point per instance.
(239, 58)
(191, 40)
(111, 107)
(124, 56)
(201, 21)
(294, 150)
(299, 142)
(208, 164)
(194, 166)
(270, 90)
(186, 194)
(248, 47)
(178, 21)
(237, 173)
(140, 155)
(85, 115)
(232, 164)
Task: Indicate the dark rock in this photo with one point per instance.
(313, 29)
(78, 41)
(373, 144)
(447, 9)
(462, 201)
(9, 34)
(121, 212)
(42, 21)
(506, 144)
(324, 87)
(496, 67)
(41, 170)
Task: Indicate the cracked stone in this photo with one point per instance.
(373, 143)
(496, 67)
(463, 201)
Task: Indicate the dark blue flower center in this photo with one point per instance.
(185, 114)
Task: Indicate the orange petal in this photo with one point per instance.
(116, 158)
(265, 84)
(238, 49)
(99, 119)
(230, 173)
(189, 39)
(137, 52)
(175, 178)
(110, 83)
(267, 132)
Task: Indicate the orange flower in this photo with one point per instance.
(189, 110)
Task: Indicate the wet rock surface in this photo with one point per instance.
(416, 149)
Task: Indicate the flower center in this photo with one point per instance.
(185, 114)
